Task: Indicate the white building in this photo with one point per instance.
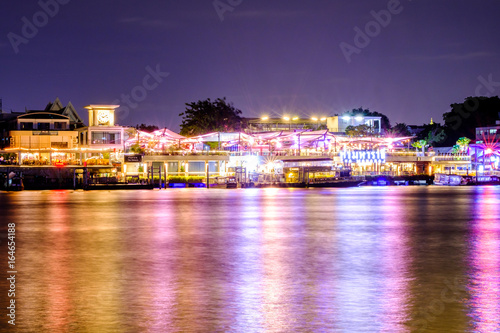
(338, 124)
(102, 133)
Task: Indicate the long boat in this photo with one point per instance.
(448, 180)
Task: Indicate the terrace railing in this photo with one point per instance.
(452, 157)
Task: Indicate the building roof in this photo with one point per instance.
(57, 107)
(43, 115)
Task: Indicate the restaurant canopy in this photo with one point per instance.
(281, 139)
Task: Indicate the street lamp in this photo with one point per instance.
(295, 118)
(316, 120)
(286, 118)
(264, 118)
(323, 119)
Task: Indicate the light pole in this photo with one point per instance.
(286, 118)
(316, 120)
(265, 119)
(322, 119)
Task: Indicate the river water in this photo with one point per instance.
(393, 259)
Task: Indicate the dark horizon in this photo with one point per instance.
(266, 58)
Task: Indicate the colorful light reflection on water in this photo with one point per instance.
(257, 260)
(484, 261)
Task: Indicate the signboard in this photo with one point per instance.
(363, 156)
(45, 133)
(133, 158)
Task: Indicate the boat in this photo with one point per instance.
(448, 180)
(337, 183)
(224, 182)
(15, 183)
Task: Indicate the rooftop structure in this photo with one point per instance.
(339, 124)
(286, 123)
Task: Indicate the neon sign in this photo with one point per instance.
(363, 156)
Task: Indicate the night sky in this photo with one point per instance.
(267, 57)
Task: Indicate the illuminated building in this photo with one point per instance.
(102, 131)
(339, 123)
(42, 137)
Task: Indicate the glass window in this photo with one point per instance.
(26, 126)
(196, 166)
(106, 138)
(59, 125)
(172, 166)
(44, 126)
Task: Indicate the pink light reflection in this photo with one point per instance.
(396, 262)
(484, 285)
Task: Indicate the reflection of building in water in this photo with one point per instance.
(484, 260)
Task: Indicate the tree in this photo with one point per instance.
(462, 145)
(137, 149)
(400, 129)
(360, 130)
(434, 134)
(385, 123)
(474, 112)
(146, 128)
(420, 144)
(206, 116)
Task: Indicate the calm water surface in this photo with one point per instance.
(255, 260)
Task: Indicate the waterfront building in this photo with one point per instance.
(42, 137)
(490, 133)
(102, 132)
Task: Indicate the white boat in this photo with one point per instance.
(447, 180)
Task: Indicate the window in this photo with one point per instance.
(59, 125)
(26, 126)
(197, 167)
(106, 138)
(44, 126)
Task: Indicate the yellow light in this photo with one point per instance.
(489, 151)
(323, 119)
(265, 118)
(314, 119)
(295, 118)
(286, 118)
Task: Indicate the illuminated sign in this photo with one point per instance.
(133, 158)
(363, 156)
(59, 163)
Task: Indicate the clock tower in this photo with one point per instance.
(102, 132)
(101, 115)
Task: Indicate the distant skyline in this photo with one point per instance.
(407, 59)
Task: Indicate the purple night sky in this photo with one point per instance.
(267, 57)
